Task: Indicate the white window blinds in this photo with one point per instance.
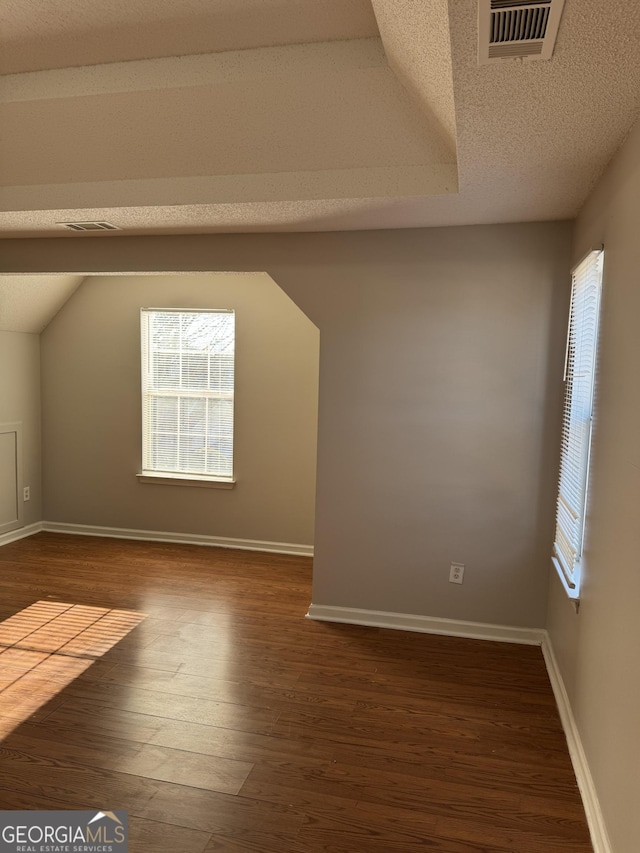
(187, 392)
(580, 369)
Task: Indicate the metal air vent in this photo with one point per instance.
(89, 226)
(524, 29)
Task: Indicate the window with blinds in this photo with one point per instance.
(579, 377)
(187, 393)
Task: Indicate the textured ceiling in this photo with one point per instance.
(421, 62)
(39, 34)
(299, 122)
(527, 141)
(29, 302)
(291, 122)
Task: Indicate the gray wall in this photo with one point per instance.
(440, 369)
(92, 411)
(598, 649)
(20, 401)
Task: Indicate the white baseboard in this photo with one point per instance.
(426, 624)
(20, 533)
(183, 538)
(595, 819)
(505, 634)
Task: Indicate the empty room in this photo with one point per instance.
(319, 426)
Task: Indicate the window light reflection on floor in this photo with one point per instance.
(46, 646)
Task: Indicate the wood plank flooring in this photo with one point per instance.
(227, 723)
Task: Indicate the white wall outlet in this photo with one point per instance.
(456, 573)
(26, 493)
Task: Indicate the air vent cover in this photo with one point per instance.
(89, 226)
(525, 29)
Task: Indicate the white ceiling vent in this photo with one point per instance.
(89, 226)
(525, 29)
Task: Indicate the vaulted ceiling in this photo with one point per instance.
(44, 34)
(267, 115)
(29, 302)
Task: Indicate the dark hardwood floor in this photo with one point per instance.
(227, 722)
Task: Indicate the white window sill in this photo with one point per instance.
(571, 588)
(165, 479)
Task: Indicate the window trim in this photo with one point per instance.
(163, 478)
(178, 478)
(571, 575)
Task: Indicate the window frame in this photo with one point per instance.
(178, 477)
(577, 420)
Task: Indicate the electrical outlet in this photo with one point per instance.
(456, 573)
(26, 493)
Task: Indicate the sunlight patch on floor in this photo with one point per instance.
(46, 646)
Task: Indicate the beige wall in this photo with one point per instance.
(92, 412)
(440, 365)
(599, 648)
(20, 402)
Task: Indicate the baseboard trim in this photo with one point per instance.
(426, 624)
(20, 533)
(595, 819)
(180, 538)
(505, 634)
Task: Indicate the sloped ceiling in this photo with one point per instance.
(29, 302)
(326, 120)
(44, 34)
(301, 115)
